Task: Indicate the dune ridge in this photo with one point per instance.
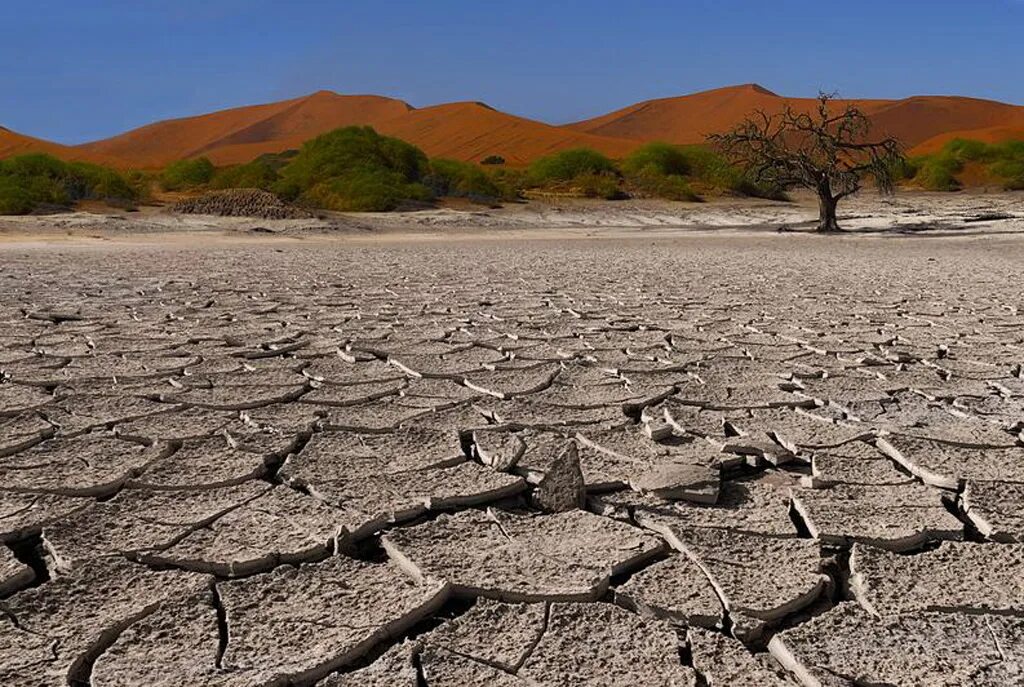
(473, 130)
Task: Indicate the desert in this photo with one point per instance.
(527, 457)
(522, 344)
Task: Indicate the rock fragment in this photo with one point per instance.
(996, 509)
(562, 487)
(601, 644)
(957, 577)
(493, 633)
(521, 558)
(13, 573)
(847, 645)
(71, 620)
(137, 522)
(759, 580)
(302, 623)
(895, 517)
(279, 526)
(87, 465)
(676, 589)
(948, 466)
(725, 662)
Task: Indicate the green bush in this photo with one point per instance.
(568, 165)
(15, 197)
(93, 182)
(30, 181)
(599, 185)
(259, 173)
(493, 160)
(1003, 162)
(460, 180)
(355, 168)
(364, 190)
(510, 182)
(659, 170)
(651, 183)
(658, 158)
(938, 172)
(187, 174)
(964, 149)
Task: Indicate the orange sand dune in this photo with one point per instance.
(257, 128)
(463, 131)
(992, 134)
(13, 143)
(472, 131)
(917, 121)
(689, 118)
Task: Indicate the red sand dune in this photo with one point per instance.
(463, 131)
(915, 121)
(256, 129)
(13, 143)
(472, 131)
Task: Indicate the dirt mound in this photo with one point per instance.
(240, 202)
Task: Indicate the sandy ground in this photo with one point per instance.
(967, 214)
(590, 444)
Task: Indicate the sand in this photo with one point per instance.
(473, 130)
(866, 216)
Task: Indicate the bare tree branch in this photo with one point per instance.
(825, 150)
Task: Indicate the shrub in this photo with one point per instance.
(15, 198)
(28, 182)
(259, 173)
(569, 165)
(493, 160)
(599, 185)
(938, 172)
(659, 170)
(187, 174)
(964, 149)
(461, 180)
(355, 168)
(651, 183)
(1002, 162)
(510, 182)
(364, 191)
(87, 181)
(657, 158)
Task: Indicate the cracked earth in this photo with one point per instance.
(758, 461)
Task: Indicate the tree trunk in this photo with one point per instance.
(827, 222)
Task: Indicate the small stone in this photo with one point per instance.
(562, 487)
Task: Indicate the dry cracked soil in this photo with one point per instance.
(708, 461)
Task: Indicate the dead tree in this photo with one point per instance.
(823, 151)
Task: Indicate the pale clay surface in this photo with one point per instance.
(309, 459)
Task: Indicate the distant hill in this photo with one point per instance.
(243, 133)
(13, 143)
(922, 123)
(471, 130)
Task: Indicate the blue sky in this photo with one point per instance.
(76, 70)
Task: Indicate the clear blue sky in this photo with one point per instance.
(76, 70)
